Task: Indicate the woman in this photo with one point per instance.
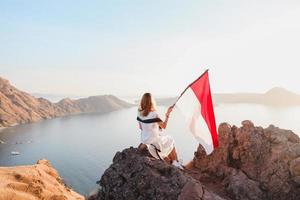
(159, 145)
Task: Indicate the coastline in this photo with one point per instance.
(2, 128)
(11, 125)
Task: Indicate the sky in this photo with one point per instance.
(126, 48)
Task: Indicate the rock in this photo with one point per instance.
(39, 181)
(295, 167)
(247, 124)
(253, 163)
(136, 175)
(239, 186)
(193, 190)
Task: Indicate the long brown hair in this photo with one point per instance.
(147, 104)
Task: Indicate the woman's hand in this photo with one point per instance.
(164, 124)
(170, 109)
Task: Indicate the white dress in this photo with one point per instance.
(153, 137)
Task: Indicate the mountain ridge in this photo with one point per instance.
(276, 96)
(19, 107)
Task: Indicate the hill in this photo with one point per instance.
(274, 97)
(93, 104)
(39, 181)
(18, 107)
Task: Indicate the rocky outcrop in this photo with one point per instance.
(136, 175)
(18, 107)
(252, 163)
(39, 181)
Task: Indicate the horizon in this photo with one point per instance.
(168, 96)
(85, 49)
(130, 98)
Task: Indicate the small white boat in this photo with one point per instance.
(14, 153)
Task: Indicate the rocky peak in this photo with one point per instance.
(136, 175)
(65, 101)
(3, 81)
(252, 163)
(5, 86)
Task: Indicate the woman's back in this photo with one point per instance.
(150, 131)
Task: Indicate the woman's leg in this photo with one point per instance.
(173, 155)
(168, 160)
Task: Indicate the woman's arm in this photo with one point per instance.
(163, 124)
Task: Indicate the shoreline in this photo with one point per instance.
(63, 116)
(2, 128)
(12, 125)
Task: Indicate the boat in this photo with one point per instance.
(14, 153)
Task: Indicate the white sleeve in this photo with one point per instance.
(155, 115)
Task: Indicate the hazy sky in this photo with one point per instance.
(129, 47)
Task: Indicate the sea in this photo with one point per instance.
(81, 147)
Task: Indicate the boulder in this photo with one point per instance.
(253, 162)
(136, 175)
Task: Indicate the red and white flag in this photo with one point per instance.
(195, 102)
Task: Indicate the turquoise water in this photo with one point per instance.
(81, 147)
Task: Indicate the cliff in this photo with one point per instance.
(18, 107)
(251, 163)
(39, 181)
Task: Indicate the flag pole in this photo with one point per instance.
(188, 87)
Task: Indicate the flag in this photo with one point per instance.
(195, 103)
